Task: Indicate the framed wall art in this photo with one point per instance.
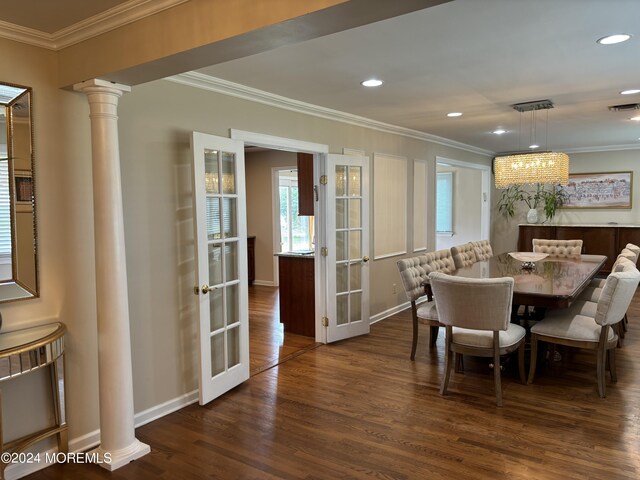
(599, 190)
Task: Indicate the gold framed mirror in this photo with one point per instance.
(18, 233)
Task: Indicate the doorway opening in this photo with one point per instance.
(462, 202)
(272, 218)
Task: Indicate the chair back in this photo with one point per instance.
(558, 248)
(482, 249)
(463, 255)
(622, 264)
(415, 271)
(634, 249)
(628, 254)
(616, 296)
(476, 303)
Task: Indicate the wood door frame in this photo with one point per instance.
(320, 152)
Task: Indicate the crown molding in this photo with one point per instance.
(206, 82)
(604, 148)
(103, 22)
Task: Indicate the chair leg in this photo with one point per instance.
(433, 336)
(619, 328)
(447, 370)
(534, 357)
(523, 378)
(612, 364)
(459, 364)
(625, 320)
(496, 371)
(600, 372)
(414, 342)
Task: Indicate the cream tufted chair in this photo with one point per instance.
(633, 248)
(592, 293)
(477, 315)
(558, 248)
(483, 250)
(588, 324)
(414, 273)
(464, 255)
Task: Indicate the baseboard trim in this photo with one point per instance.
(264, 283)
(92, 439)
(391, 311)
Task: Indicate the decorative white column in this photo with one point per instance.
(118, 444)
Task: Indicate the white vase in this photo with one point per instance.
(532, 216)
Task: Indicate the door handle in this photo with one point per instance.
(365, 259)
(206, 289)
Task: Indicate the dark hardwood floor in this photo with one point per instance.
(361, 409)
(269, 344)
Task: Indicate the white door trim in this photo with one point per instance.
(319, 152)
(485, 223)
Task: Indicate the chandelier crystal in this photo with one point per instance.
(531, 167)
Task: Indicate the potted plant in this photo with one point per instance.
(549, 198)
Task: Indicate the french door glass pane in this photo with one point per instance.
(342, 309)
(355, 280)
(341, 213)
(228, 173)
(231, 261)
(215, 264)
(230, 217)
(355, 244)
(214, 230)
(233, 346)
(355, 209)
(217, 354)
(233, 315)
(341, 246)
(341, 180)
(342, 277)
(211, 176)
(216, 310)
(354, 181)
(356, 306)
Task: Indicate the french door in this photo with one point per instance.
(221, 263)
(348, 246)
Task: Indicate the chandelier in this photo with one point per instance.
(531, 167)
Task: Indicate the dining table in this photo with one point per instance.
(552, 282)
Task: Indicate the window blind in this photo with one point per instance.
(444, 202)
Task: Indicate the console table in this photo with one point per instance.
(26, 350)
(597, 239)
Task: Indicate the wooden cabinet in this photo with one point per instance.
(597, 240)
(297, 294)
(251, 259)
(305, 184)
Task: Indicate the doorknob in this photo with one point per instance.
(205, 289)
(365, 259)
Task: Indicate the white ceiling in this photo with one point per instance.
(474, 56)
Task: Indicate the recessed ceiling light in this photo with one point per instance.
(534, 146)
(630, 92)
(635, 119)
(612, 39)
(372, 82)
(454, 114)
(499, 131)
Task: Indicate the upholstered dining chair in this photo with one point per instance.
(414, 273)
(588, 325)
(558, 248)
(592, 294)
(627, 253)
(477, 316)
(482, 249)
(464, 255)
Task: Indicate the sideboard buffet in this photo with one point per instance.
(597, 239)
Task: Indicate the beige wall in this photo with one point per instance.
(258, 171)
(65, 241)
(467, 207)
(505, 231)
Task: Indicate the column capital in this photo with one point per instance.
(103, 86)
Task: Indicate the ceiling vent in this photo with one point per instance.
(625, 108)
